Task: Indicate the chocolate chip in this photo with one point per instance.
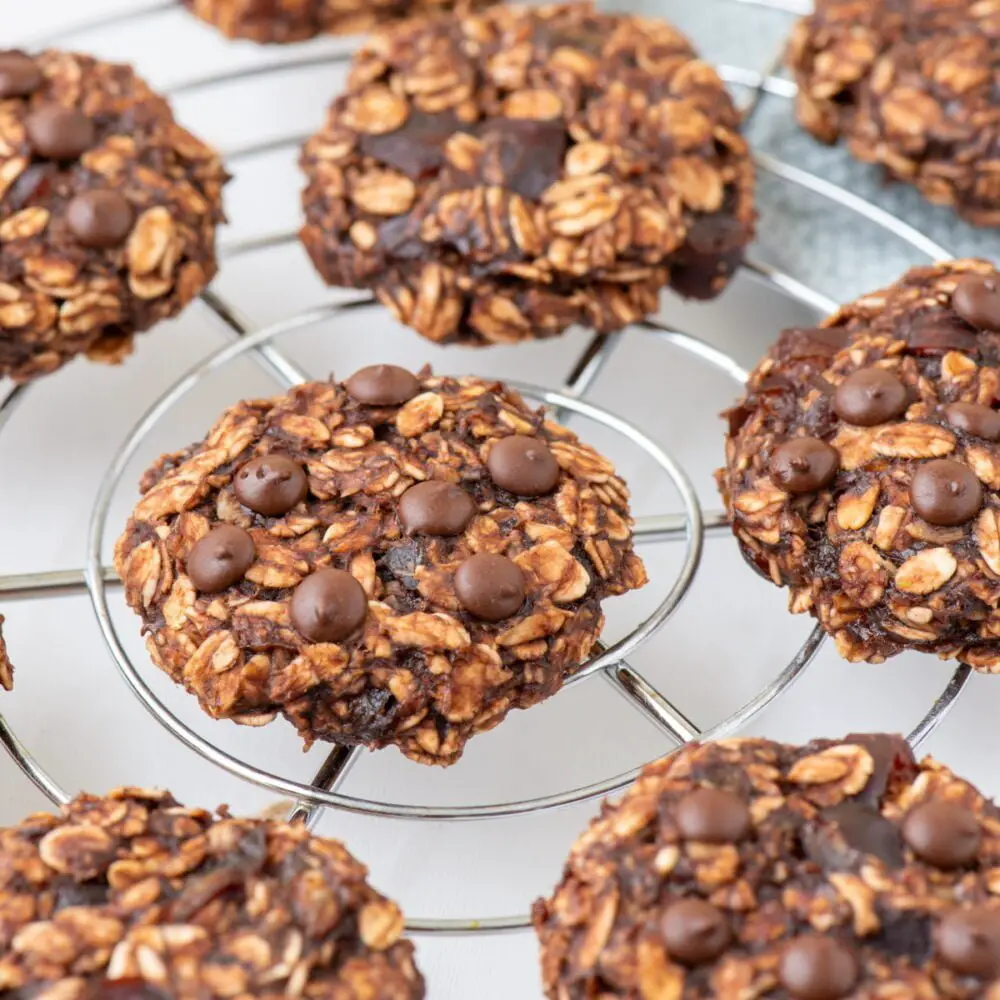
(19, 75)
(523, 466)
(436, 508)
(975, 419)
(804, 465)
(100, 218)
(849, 829)
(943, 834)
(271, 485)
(220, 559)
(417, 147)
(59, 133)
(694, 931)
(524, 156)
(870, 396)
(712, 815)
(328, 606)
(382, 385)
(945, 492)
(968, 942)
(813, 967)
(977, 300)
(938, 332)
(489, 586)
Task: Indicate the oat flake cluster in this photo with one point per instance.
(746, 868)
(133, 897)
(863, 468)
(497, 178)
(395, 560)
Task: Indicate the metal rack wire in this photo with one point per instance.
(691, 526)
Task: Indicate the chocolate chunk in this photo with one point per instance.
(975, 419)
(968, 941)
(126, 989)
(417, 147)
(271, 485)
(220, 559)
(817, 342)
(813, 967)
(944, 834)
(804, 465)
(712, 815)
(436, 508)
(892, 758)
(382, 385)
(328, 606)
(100, 218)
(491, 587)
(870, 396)
(402, 561)
(20, 75)
(939, 332)
(71, 893)
(977, 300)
(850, 828)
(694, 931)
(524, 466)
(59, 133)
(524, 156)
(945, 492)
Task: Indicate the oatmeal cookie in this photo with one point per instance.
(747, 868)
(911, 85)
(398, 559)
(108, 211)
(133, 897)
(863, 467)
(500, 177)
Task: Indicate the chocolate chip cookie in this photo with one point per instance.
(399, 559)
(863, 466)
(497, 178)
(108, 211)
(911, 85)
(748, 868)
(133, 897)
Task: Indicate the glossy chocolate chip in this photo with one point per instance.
(945, 492)
(943, 834)
(870, 396)
(712, 815)
(968, 942)
(220, 559)
(59, 133)
(271, 485)
(328, 606)
(19, 75)
(436, 508)
(524, 466)
(975, 419)
(804, 465)
(382, 385)
(694, 931)
(813, 967)
(100, 219)
(490, 586)
(977, 300)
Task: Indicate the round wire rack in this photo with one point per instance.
(689, 526)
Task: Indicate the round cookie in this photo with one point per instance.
(133, 897)
(912, 86)
(500, 177)
(863, 466)
(108, 211)
(749, 868)
(404, 596)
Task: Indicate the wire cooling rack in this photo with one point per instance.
(688, 527)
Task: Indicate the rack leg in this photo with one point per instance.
(641, 694)
(30, 767)
(331, 773)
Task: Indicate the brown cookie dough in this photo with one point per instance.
(498, 178)
(863, 467)
(108, 211)
(396, 560)
(133, 897)
(911, 85)
(746, 868)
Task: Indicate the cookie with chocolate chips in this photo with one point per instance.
(863, 468)
(108, 211)
(131, 896)
(398, 559)
(750, 868)
(499, 177)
